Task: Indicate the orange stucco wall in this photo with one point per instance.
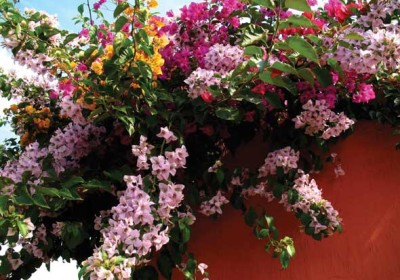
(367, 197)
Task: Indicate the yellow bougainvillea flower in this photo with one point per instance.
(151, 4)
(14, 108)
(97, 67)
(109, 52)
(29, 109)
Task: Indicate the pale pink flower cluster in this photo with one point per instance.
(132, 230)
(260, 189)
(32, 245)
(310, 194)
(45, 18)
(72, 110)
(30, 89)
(285, 158)
(219, 61)
(139, 224)
(318, 119)
(38, 63)
(167, 135)
(161, 165)
(223, 58)
(69, 145)
(29, 161)
(213, 206)
(379, 47)
(141, 151)
(199, 81)
(171, 196)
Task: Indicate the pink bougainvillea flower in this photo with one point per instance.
(207, 97)
(259, 89)
(365, 93)
(167, 135)
(207, 130)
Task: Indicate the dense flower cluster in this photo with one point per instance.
(285, 158)
(29, 161)
(140, 222)
(376, 47)
(67, 146)
(192, 33)
(323, 217)
(219, 60)
(74, 142)
(318, 119)
(310, 202)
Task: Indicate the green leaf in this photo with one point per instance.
(23, 228)
(253, 50)
(220, 176)
(297, 21)
(3, 203)
(263, 233)
(228, 113)
(22, 196)
(291, 250)
(69, 38)
(274, 100)
(265, 3)
(252, 34)
(303, 47)
(97, 184)
(73, 235)
(269, 220)
(69, 194)
(89, 51)
(283, 82)
(315, 39)
(307, 75)
(185, 231)
(52, 192)
(5, 267)
(120, 8)
(18, 29)
(119, 42)
(335, 65)
(354, 36)
(82, 272)
(39, 200)
(284, 67)
(284, 258)
(324, 76)
(120, 22)
(165, 264)
(81, 8)
(250, 217)
(292, 196)
(299, 5)
(72, 182)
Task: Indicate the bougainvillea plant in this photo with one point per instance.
(139, 113)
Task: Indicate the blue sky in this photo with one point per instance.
(66, 12)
